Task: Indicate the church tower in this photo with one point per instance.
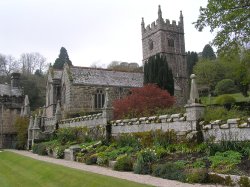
(167, 39)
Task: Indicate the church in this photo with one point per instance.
(81, 89)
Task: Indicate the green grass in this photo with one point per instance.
(238, 96)
(17, 170)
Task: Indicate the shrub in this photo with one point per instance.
(142, 101)
(225, 100)
(92, 159)
(59, 151)
(244, 182)
(144, 161)
(196, 175)
(102, 159)
(164, 138)
(39, 149)
(78, 134)
(225, 86)
(214, 113)
(123, 163)
(171, 170)
(128, 140)
(21, 125)
(213, 178)
(80, 157)
(223, 162)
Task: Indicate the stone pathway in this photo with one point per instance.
(144, 179)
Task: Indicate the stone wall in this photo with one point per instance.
(230, 130)
(176, 122)
(83, 121)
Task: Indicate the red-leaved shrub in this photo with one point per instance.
(142, 101)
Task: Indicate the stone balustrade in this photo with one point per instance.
(231, 129)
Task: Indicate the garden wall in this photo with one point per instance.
(176, 122)
(83, 121)
(231, 130)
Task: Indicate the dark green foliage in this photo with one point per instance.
(92, 159)
(34, 87)
(241, 147)
(229, 19)
(196, 175)
(171, 170)
(225, 86)
(214, 113)
(164, 139)
(208, 52)
(128, 140)
(144, 161)
(124, 163)
(62, 59)
(224, 162)
(244, 182)
(21, 126)
(39, 149)
(156, 71)
(213, 178)
(192, 58)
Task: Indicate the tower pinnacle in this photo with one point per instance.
(142, 24)
(159, 12)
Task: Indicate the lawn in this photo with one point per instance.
(238, 97)
(17, 170)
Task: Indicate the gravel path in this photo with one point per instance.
(144, 179)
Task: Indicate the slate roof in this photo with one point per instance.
(5, 89)
(94, 76)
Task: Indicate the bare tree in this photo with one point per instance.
(31, 62)
(8, 65)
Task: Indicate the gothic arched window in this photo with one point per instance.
(150, 44)
(99, 99)
(170, 42)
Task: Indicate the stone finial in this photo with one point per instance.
(142, 22)
(26, 110)
(194, 95)
(159, 12)
(107, 103)
(31, 123)
(181, 16)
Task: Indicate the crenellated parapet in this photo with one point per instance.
(161, 24)
(229, 130)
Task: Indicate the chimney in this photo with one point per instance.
(15, 80)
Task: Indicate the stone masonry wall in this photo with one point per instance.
(84, 121)
(231, 130)
(82, 97)
(176, 122)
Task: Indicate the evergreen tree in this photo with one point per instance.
(192, 59)
(208, 52)
(62, 59)
(156, 71)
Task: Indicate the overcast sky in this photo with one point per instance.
(92, 31)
